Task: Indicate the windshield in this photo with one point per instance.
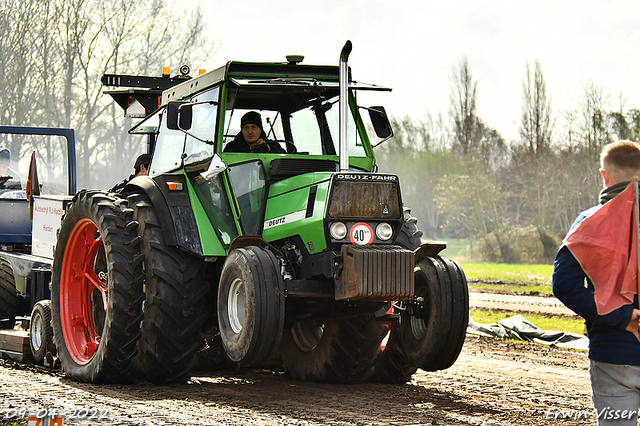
(50, 155)
(197, 146)
(167, 155)
(302, 116)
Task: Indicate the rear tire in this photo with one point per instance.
(338, 351)
(410, 235)
(251, 305)
(97, 261)
(41, 332)
(8, 295)
(394, 365)
(174, 310)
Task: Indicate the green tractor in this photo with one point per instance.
(292, 251)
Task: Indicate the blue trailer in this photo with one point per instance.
(37, 179)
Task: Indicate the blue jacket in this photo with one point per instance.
(608, 340)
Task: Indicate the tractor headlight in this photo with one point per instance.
(338, 230)
(384, 231)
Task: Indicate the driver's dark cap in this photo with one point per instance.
(251, 117)
(5, 156)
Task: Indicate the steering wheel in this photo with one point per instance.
(4, 179)
(13, 194)
(291, 148)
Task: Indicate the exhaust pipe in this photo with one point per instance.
(344, 105)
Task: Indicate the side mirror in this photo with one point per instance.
(380, 122)
(179, 115)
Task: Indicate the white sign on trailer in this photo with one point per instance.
(47, 214)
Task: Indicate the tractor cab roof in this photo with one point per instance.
(269, 80)
(286, 87)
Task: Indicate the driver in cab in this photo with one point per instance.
(9, 179)
(252, 137)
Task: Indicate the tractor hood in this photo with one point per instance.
(308, 205)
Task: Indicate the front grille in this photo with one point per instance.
(375, 273)
(284, 167)
(357, 199)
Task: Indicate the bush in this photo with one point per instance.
(518, 245)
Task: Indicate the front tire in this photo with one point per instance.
(96, 303)
(433, 337)
(251, 305)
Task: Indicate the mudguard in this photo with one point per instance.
(429, 249)
(173, 208)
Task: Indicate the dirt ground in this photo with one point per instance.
(492, 383)
(546, 305)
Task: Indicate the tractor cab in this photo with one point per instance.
(299, 112)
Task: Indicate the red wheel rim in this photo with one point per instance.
(78, 281)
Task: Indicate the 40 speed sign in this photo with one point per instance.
(361, 234)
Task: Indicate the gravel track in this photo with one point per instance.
(546, 305)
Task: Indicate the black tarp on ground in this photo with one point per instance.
(518, 327)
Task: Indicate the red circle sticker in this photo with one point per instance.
(361, 234)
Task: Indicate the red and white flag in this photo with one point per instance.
(606, 246)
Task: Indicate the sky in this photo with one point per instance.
(414, 47)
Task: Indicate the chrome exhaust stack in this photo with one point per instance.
(344, 105)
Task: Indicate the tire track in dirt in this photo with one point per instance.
(546, 305)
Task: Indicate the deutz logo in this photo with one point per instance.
(362, 176)
(385, 209)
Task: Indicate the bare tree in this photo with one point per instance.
(122, 37)
(620, 127)
(536, 128)
(475, 140)
(633, 117)
(594, 125)
(532, 159)
(463, 108)
(53, 54)
(19, 85)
